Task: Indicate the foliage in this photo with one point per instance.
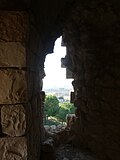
(51, 105)
(57, 111)
(65, 108)
(68, 106)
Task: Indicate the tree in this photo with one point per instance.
(68, 106)
(51, 105)
(65, 108)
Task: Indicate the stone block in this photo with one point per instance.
(69, 74)
(13, 120)
(12, 54)
(13, 26)
(0, 130)
(13, 148)
(72, 97)
(13, 86)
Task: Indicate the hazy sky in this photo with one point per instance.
(55, 75)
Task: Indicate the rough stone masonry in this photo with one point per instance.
(13, 85)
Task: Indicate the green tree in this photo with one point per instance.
(68, 106)
(65, 108)
(62, 114)
(51, 105)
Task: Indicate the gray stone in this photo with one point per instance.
(13, 148)
(53, 127)
(48, 145)
(13, 120)
(47, 127)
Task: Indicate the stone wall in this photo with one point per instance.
(28, 30)
(92, 39)
(21, 70)
(13, 86)
(35, 63)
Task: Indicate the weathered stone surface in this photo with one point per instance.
(48, 152)
(13, 148)
(13, 26)
(13, 120)
(18, 5)
(48, 145)
(92, 43)
(12, 54)
(13, 86)
(0, 123)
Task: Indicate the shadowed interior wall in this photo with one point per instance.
(92, 39)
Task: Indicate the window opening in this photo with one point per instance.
(57, 88)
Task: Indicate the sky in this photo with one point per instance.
(55, 75)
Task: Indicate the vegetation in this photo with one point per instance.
(65, 108)
(51, 105)
(55, 112)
